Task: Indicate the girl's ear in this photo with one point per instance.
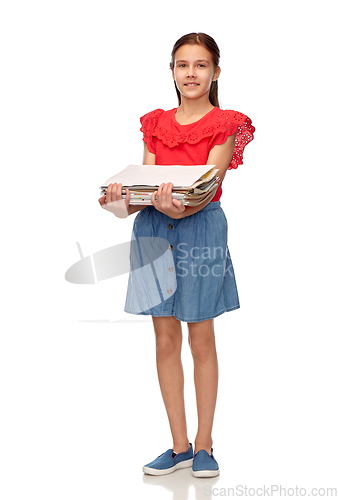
(216, 74)
(172, 71)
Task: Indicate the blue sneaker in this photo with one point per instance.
(204, 465)
(169, 461)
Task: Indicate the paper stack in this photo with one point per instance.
(192, 185)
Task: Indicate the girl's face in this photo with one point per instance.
(194, 71)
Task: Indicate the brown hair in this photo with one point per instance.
(210, 44)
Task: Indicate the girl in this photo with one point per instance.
(200, 284)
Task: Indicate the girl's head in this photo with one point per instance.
(208, 70)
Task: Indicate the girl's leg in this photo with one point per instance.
(168, 334)
(203, 348)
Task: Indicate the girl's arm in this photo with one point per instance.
(148, 159)
(221, 156)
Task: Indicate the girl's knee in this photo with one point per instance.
(166, 345)
(168, 334)
(201, 350)
(201, 340)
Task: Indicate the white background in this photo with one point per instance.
(81, 406)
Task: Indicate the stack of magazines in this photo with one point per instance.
(192, 185)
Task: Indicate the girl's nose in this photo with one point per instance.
(191, 72)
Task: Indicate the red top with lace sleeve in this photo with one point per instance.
(175, 144)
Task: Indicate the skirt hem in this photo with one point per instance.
(185, 320)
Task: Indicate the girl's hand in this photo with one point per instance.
(113, 202)
(165, 202)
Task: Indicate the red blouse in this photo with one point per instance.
(175, 144)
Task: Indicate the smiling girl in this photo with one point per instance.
(200, 285)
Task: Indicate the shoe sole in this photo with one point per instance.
(161, 472)
(205, 473)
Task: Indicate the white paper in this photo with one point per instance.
(154, 175)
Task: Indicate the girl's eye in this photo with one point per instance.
(183, 65)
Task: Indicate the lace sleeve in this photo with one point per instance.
(149, 122)
(229, 123)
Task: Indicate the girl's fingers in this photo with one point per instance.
(165, 200)
(158, 194)
(178, 204)
(108, 193)
(164, 192)
(164, 195)
(127, 198)
(169, 195)
(114, 192)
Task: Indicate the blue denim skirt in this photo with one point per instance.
(181, 267)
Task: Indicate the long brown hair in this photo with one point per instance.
(210, 44)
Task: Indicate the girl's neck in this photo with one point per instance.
(194, 107)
